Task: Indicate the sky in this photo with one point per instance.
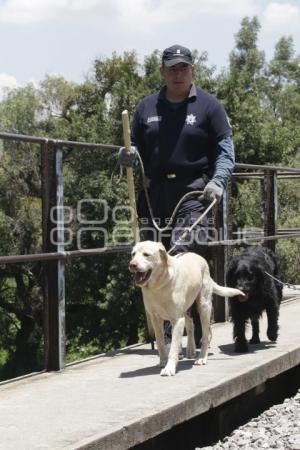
(64, 37)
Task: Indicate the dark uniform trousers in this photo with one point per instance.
(164, 196)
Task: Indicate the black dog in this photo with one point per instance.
(247, 272)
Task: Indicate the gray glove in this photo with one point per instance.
(213, 191)
(126, 159)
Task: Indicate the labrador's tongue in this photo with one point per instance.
(141, 277)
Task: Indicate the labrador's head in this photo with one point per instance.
(148, 261)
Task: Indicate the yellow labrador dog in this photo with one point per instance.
(170, 285)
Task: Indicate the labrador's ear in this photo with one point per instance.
(163, 253)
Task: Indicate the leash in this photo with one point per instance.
(290, 286)
(230, 242)
(186, 230)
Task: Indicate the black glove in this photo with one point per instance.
(126, 158)
(213, 191)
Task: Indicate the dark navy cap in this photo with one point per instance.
(175, 55)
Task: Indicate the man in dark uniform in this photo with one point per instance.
(184, 139)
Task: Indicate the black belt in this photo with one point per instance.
(174, 177)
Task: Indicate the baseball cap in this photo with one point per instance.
(176, 54)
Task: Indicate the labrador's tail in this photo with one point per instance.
(224, 291)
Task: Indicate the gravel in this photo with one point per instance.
(276, 428)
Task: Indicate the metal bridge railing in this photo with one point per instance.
(54, 254)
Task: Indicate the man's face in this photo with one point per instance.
(178, 79)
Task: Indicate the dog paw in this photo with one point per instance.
(272, 335)
(163, 362)
(169, 370)
(254, 340)
(241, 347)
(191, 353)
(200, 362)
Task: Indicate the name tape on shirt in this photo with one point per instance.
(154, 119)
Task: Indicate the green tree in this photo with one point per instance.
(283, 93)
(242, 87)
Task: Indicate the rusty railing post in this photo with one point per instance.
(218, 262)
(227, 235)
(269, 206)
(53, 241)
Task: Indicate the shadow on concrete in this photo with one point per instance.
(228, 349)
(137, 351)
(144, 371)
(185, 364)
(182, 365)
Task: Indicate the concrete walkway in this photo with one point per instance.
(115, 402)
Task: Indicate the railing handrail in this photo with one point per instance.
(56, 142)
(266, 167)
(54, 256)
(65, 143)
(52, 196)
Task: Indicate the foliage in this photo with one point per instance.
(103, 309)
(289, 218)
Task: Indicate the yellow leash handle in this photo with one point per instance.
(130, 181)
